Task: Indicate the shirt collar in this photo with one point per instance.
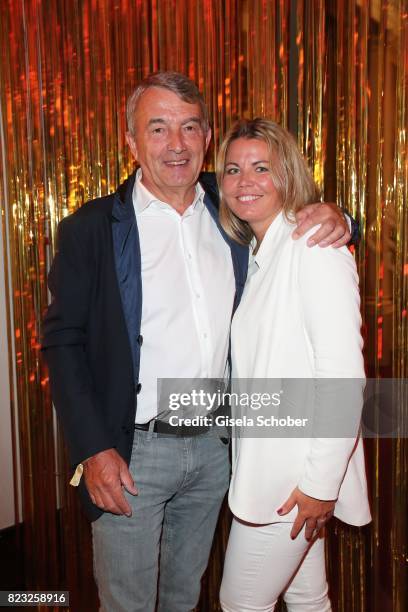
(269, 241)
(143, 198)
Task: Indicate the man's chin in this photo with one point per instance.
(184, 181)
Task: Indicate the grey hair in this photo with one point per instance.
(176, 82)
(290, 174)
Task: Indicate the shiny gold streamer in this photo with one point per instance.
(311, 44)
(400, 362)
(66, 68)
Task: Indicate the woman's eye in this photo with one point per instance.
(262, 169)
(231, 171)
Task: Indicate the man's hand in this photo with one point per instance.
(106, 473)
(334, 230)
(314, 512)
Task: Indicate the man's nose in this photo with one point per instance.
(176, 142)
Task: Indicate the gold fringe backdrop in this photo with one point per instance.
(334, 72)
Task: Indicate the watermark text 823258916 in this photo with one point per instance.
(14, 599)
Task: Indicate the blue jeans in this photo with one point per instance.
(163, 548)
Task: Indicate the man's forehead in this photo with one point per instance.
(158, 103)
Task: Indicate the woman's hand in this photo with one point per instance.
(314, 512)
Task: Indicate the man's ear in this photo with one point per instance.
(207, 139)
(132, 144)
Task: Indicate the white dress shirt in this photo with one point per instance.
(188, 289)
(298, 318)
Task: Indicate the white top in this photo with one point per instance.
(188, 290)
(299, 317)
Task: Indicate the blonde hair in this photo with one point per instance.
(290, 174)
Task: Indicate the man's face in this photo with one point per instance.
(169, 143)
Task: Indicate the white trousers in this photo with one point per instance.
(262, 561)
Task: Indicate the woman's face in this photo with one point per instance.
(247, 185)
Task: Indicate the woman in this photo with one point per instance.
(298, 319)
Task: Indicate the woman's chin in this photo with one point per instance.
(245, 215)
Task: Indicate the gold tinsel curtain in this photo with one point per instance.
(334, 72)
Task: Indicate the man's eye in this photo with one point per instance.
(158, 130)
(190, 128)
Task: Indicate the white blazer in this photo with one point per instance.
(299, 317)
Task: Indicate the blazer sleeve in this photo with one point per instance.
(330, 304)
(64, 337)
(354, 228)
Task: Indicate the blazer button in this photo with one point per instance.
(138, 388)
(140, 340)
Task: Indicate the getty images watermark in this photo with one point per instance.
(336, 407)
(212, 401)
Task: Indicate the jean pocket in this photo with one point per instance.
(222, 439)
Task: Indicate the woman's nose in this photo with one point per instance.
(245, 178)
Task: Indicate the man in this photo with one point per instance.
(144, 285)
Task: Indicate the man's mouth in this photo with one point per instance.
(178, 162)
(248, 198)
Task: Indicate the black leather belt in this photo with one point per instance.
(161, 427)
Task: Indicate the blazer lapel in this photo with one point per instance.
(126, 248)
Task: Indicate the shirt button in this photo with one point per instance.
(205, 335)
(198, 296)
(140, 340)
(138, 388)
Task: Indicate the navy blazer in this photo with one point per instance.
(91, 330)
